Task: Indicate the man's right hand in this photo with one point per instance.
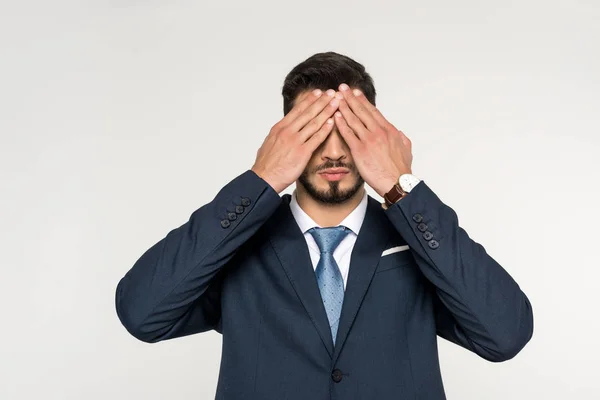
(288, 148)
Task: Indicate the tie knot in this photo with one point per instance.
(329, 238)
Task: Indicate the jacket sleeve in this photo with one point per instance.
(173, 289)
(478, 306)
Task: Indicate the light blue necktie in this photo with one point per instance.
(329, 278)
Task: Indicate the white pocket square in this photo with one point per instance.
(394, 250)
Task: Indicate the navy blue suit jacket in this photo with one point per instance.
(241, 266)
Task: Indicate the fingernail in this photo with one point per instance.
(338, 114)
(330, 92)
(343, 86)
(330, 121)
(317, 92)
(334, 102)
(357, 92)
(339, 95)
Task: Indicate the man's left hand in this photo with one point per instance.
(381, 152)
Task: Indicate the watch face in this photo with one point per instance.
(408, 182)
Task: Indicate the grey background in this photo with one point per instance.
(120, 118)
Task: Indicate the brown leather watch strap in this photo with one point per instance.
(394, 195)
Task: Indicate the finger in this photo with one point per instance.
(347, 133)
(352, 120)
(311, 111)
(300, 107)
(377, 115)
(315, 140)
(316, 123)
(383, 122)
(358, 108)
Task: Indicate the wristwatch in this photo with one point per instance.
(405, 184)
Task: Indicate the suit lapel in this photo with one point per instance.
(370, 243)
(291, 248)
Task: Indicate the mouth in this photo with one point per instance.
(334, 174)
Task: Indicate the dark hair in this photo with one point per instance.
(326, 71)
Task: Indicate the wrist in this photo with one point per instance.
(386, 186)
(400, 189)
(388, 183)
(270, 181)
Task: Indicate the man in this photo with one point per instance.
(327, 293)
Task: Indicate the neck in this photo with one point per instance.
(327, 214)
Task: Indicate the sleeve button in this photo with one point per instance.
(232, 216)
(434, 244)
(225, 223)
(422, 227)
(417, 218)
(245, 201)
(239, 209)
(427, 235)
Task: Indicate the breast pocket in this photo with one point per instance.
(399, 259)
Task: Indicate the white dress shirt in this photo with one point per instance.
(343, 252)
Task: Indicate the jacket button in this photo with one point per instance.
(434, 244)
(336, 375)
(232, 216)
(417, 218)
(239, 209)
(422, 227)
(225, 223)
(245, 201)
(427, 235)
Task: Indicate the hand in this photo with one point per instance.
(288, 148)
(381, 152)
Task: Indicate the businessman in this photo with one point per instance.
(327, 293)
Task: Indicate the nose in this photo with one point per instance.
(334, 147)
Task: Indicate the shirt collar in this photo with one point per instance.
(353, 221)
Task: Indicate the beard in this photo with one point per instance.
(333, 194)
